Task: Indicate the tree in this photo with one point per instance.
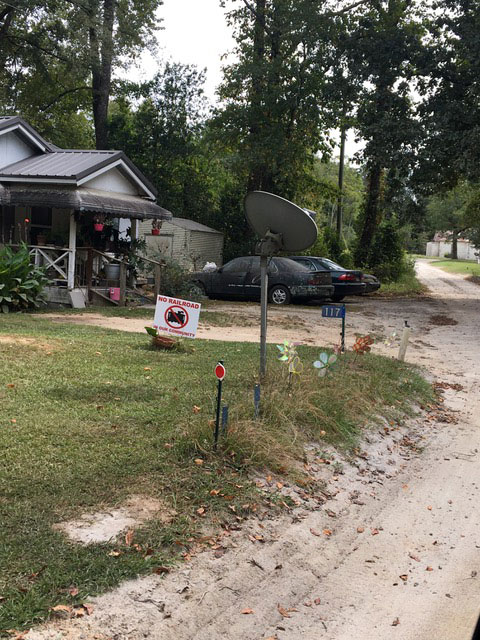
(59, 55)
(451, 68)
(448, 212)
(270, 113)
(383, 47)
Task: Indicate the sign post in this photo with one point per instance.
(336, 311)
(220, 374)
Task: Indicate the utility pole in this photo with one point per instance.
(343, 136)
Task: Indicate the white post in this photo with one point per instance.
(72, 244)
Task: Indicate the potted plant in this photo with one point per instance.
(98, 221)
(156, 226)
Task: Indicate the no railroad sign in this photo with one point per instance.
(176, 316)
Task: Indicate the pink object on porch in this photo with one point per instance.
(115, 293)
(98, 226)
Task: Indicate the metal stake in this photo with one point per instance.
(343, 330)
(263, 315)
(256, 401)
(224, 420)
(217, 420)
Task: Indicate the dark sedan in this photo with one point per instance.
(347, 282)
(287, 280)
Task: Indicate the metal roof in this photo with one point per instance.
(191, 225)
(81, 199)
(63, 165)
(6, 122)
(72, 165)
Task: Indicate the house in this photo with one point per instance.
(186, 241)
(68, 205)
(442, 246)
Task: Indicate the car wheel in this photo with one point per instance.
(279, 294)
(337, 298)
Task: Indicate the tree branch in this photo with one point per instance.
(255, 14)
(63, 94)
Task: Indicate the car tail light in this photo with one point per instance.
(348, 277)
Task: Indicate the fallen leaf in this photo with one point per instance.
(129, 537)
(429, 569)
(88, 608)
(413, 557)
(429, 508)
(61, 609)
(279, 485)
(317, 601)
(196, 409)
(98, 353)
(115, 554)
(214, 492)
(13, 421)
(11, 386)
(327, 532)
(396, 622)
(269, 479)
(403, 577)
(314, 532)
(160, 570)
(198, 461)
(283, 612)
(73, 591)
(201, 511)
(247, 611)
(147, 368)
(375, 532)
(360, 529)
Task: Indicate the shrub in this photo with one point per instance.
(387, 257)
(176, 281)
(21, 282)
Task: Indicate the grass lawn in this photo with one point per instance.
(90, 416)
(407, 286)
(462, 267)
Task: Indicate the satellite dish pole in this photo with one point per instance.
(282, 226)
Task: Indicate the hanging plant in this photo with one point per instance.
(156, 226)
(98, 221)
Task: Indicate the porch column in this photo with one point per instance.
(133, 228)
(72, 245)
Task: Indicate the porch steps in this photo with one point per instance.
(101, 298)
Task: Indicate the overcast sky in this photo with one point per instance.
(195, 32)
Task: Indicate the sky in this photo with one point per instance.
(196, 32)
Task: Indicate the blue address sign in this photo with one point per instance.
(333, 311)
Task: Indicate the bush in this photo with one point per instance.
(387, 258)
(21, 282)
(176, 281)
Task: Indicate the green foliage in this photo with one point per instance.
(387, 258)
(21, 282)
(175, 279)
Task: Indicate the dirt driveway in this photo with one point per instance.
(402, 558)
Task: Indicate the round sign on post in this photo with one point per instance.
(220, 371)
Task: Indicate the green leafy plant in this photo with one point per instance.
(21, 282)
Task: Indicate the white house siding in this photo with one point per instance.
(114, 181)
(465, 250)
(192, 248)
(205, 247)
(13, 149)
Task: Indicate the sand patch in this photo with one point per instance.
(27, 342)
(104, 526)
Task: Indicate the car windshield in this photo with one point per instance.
(333, 266)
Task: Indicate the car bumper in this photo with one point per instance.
(350, 289)
(312, 291)
(372, 286)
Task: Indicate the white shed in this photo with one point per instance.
(189, 242)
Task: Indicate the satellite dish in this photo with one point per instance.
(282, 226)
(286, 226)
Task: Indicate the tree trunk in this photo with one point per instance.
(372, 213)
(341, 166)
(101, 53)
(454, 254)
(256, 179)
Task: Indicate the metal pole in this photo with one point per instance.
(343, 330)
(343, 137)
(263, 315)
(217, 420)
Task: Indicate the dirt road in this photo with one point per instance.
(403, 556)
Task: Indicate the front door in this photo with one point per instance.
(230, 280)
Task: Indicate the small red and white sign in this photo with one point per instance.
(220, 371)
(177, 316)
